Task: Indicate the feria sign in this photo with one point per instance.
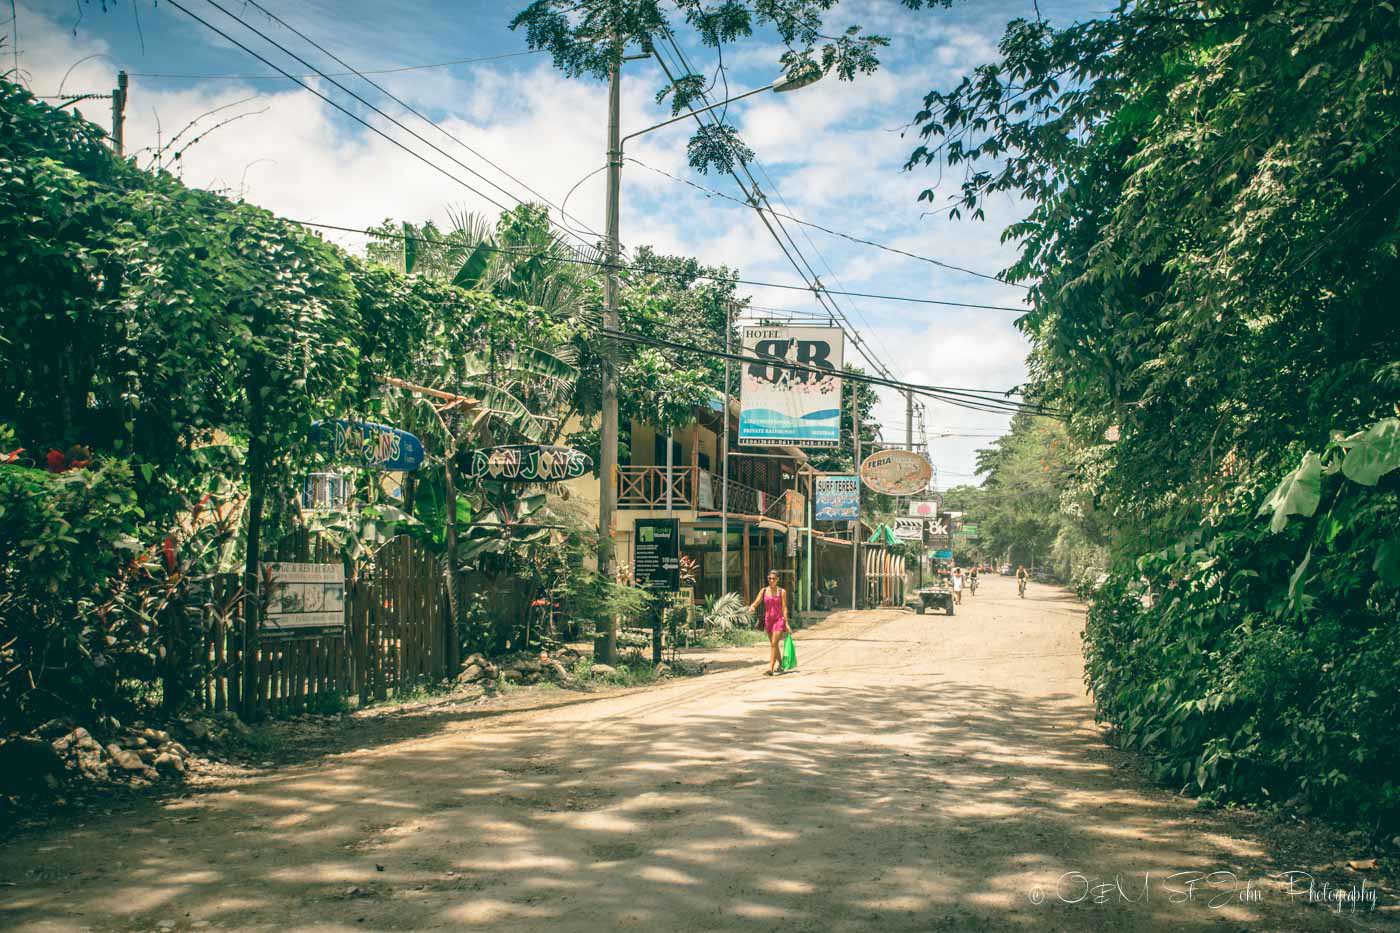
(896, 472)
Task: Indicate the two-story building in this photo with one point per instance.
(764, 507)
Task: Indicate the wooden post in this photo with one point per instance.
(449, 477)
(748, 591)
(252, 582)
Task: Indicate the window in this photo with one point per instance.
(659, 449)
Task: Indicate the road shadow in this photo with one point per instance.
(869, 807)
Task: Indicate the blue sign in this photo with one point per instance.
(374, 446)
(943, 555)
(837, 499)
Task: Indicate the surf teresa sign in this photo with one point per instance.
(801, 407)
(837, 499)
(527, 463)
(896, 472)
(365, 444)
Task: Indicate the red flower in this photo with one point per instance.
(167, 548)
(55, 461)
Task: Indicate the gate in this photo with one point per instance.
(397, 637)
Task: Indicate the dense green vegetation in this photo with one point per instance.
(1211, 248)
(164, 353)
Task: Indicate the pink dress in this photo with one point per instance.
(773, 613)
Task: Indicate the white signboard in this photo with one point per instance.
(799, 407)
(909, 529)
(926, 508)
(704, 491)
(305, 596)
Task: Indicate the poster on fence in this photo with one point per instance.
(801, 407)
(837, 498)
(304, 598)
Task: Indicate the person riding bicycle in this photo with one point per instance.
(1021, 577)
(972, 581)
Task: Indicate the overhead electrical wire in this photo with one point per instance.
(759, 201)
(817, 289)
(362, 75)
(984, 399)
(335, 74)
(273, 42)
(635, 267)
(199, 19)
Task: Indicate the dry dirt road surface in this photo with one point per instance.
(917, 772)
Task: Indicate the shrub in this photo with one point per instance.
(1259, 661)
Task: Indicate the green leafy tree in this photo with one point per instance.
(1214, 201)
(587, 39)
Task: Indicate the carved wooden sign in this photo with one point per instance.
(527, 463)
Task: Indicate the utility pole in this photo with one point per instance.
(724, 465)
(909, 419)
(855, 526)
(607, 438)
(119, 114)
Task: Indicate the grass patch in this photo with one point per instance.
(732, 638)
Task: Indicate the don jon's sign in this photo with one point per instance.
(527, 463)
(798, 406)
(366, 444)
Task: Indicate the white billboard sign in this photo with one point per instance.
(800, 407)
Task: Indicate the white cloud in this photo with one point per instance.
(830, 149)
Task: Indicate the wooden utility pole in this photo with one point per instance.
(119, 114)
(855, 526)
(605, 643)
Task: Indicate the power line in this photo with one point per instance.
(634, 267)
(333, 74)
(273, 42)
(953, 396)
(344, 64)
(760, 201)
(344, 110)
(532, 254)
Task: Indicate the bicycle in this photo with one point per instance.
(1021, 587)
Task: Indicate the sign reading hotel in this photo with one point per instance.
(798, 407)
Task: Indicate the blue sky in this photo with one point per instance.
(834, 152)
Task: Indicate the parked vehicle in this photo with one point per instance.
(933, 597)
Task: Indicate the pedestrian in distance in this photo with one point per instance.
(773, 599)
(957, 585)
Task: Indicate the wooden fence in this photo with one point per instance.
(396, 637)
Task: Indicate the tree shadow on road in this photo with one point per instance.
(870, 807)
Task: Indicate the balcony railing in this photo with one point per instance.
(644, 487)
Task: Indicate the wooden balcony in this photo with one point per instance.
(644, 487)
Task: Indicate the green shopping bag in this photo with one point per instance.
(789, 653)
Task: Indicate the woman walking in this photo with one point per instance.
(773, 598)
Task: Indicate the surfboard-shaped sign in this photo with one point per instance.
(527, 463)
(896, 472)
(369, 445)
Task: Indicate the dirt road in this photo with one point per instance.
(917, 772)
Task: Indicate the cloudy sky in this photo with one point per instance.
(834, 152)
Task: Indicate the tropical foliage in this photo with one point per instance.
(164, 354)
(1211, 250)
